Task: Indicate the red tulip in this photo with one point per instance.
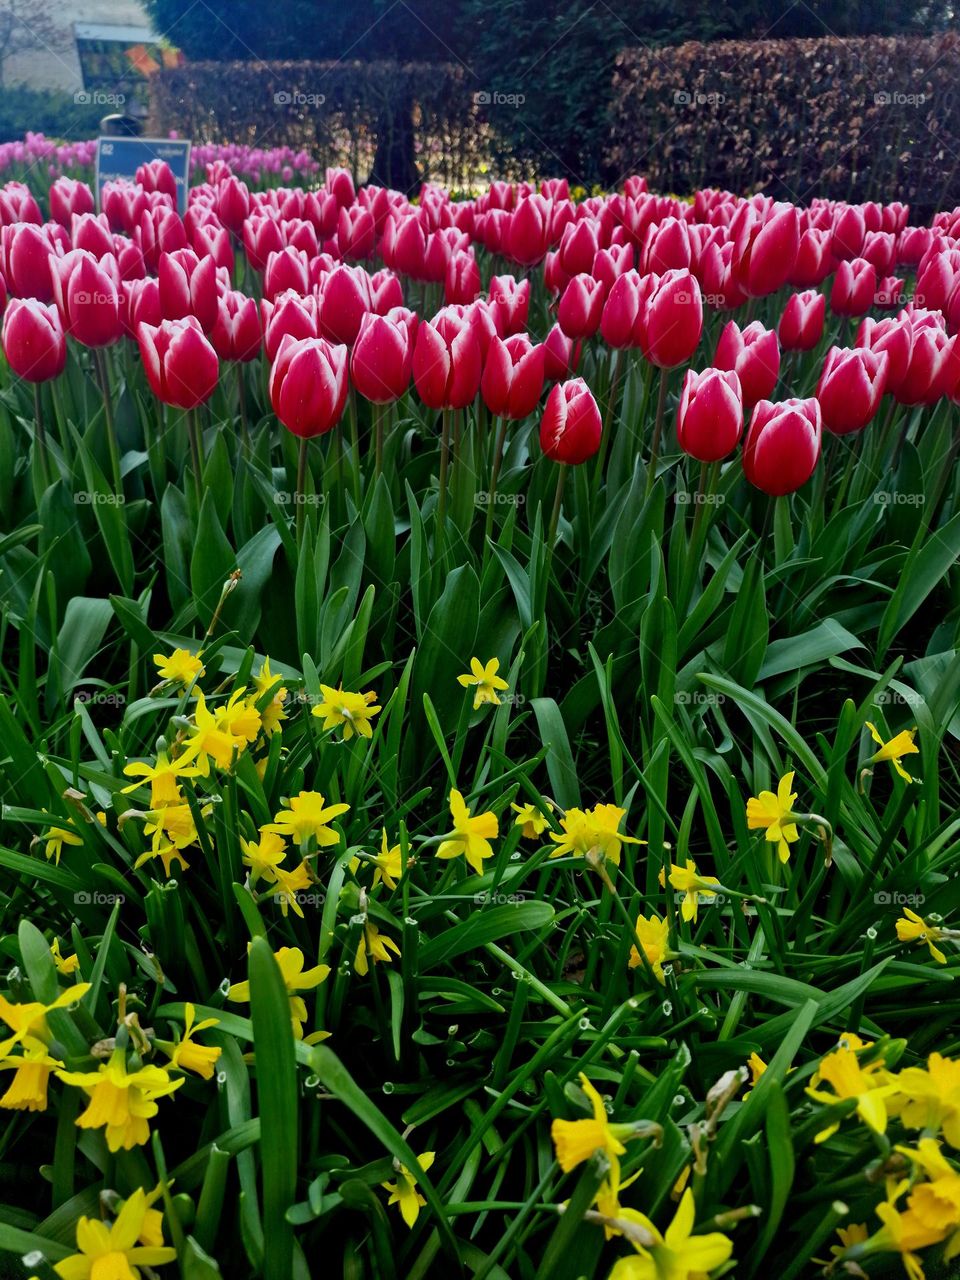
(754, 353)
(579, 244)
(236, 334)
(529, 234)
(408, 248)
(561, 355)
(321, 210)
(610, 264)
(851, 387)
(285, 269)
(715, 272)
(801, 325)
(895, 339)
(67, 197)
(512, 376)
(213, 241)
(509, 301)
(140, 301)
(17, 204)
(570, 428)
(87, 294)
(666, 247)
(889, 293)
(447, 360)
(308, 385)
(624, 311)
(782, 445)
(290, 315)
(356, 233)
(160, 231)
(853, 288)
(382, 358)
(344, 300)
(386, 292)
(33, 340)
(124, 204)
(764, 249)
(912, 244)
(188, 287)
(849, 233)
(26, 253)
(673, 319)
(581, 306)
(157, 175)
(710, 414)
(181, 365)
(129, 258)
(879, 247)
(233, 203)
(931, 371)
(262, 235)
(462, 283)
(340, 185)
(814, 260)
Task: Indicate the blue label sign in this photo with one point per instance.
(121, 158)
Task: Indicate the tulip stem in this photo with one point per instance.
(444, 466)
(557, 504)
(379, 410)
(354, 446)
(657, 430)
(100, 365)
(611, 408)
(301, 485)
(194, 435)
(41, 435)
(494, 477)
(242, 404)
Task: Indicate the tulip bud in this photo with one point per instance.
(233, 203)
(180, 364)
(87, 294)
(236, 333)
(782, 445)
(510, 304)
(529, 234)
(801, 325)
(156, 175)
(285, 269)
(814, 260)
(308, 385)
(850, 388)
(462, 282)
(512, 377)
(561, 355)
(764, 248)
(67, 197)
(91, 232)
(849, 233)
(666, 247)
(289, 314)
(447, 360)
(381, 361)
(386, 292)
(853, 288)
(579, 244)
(754, 353)
(356, 233)
(26, 253)
(340, 185)
(33, 340)
(140, 301)
(262, 236)
(581, 306)
(673, 320)
(570, 428)
(344, 300)
(188, 287)
(710, 414)
(895, 339)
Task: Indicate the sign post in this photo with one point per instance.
(121, 157)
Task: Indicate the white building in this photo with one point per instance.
(90, 48)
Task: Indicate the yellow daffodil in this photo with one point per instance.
(932, 1097)
(373, 946)
(309, 815)
(471, 834)
(171, 830)
(531, 820)
(903, 1231)
(653, 935)
(163, 778)
(936, 1202)
(403, 1192)
(485, 680)
(388, 863)
(239, 718)
(210, 740)
(65, 964)
(181, 666)
(264, 856)
(577, 1140)
(913, 928)
(678, 1254)
(856, 1233)
(186, 1054)
(56, 838)
(32, 1067)
(121, 1101)
(351, 711)
(688, 881)
(289, 886)
(274, 712)
(114, 1252)
(900, 745)
(773, 813)
(295, 978)
(30, 1019)
(848, 1077)
(593, 831)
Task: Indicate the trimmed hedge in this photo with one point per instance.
(853, 119)
(375, 118)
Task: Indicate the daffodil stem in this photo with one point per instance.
(599, 866)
